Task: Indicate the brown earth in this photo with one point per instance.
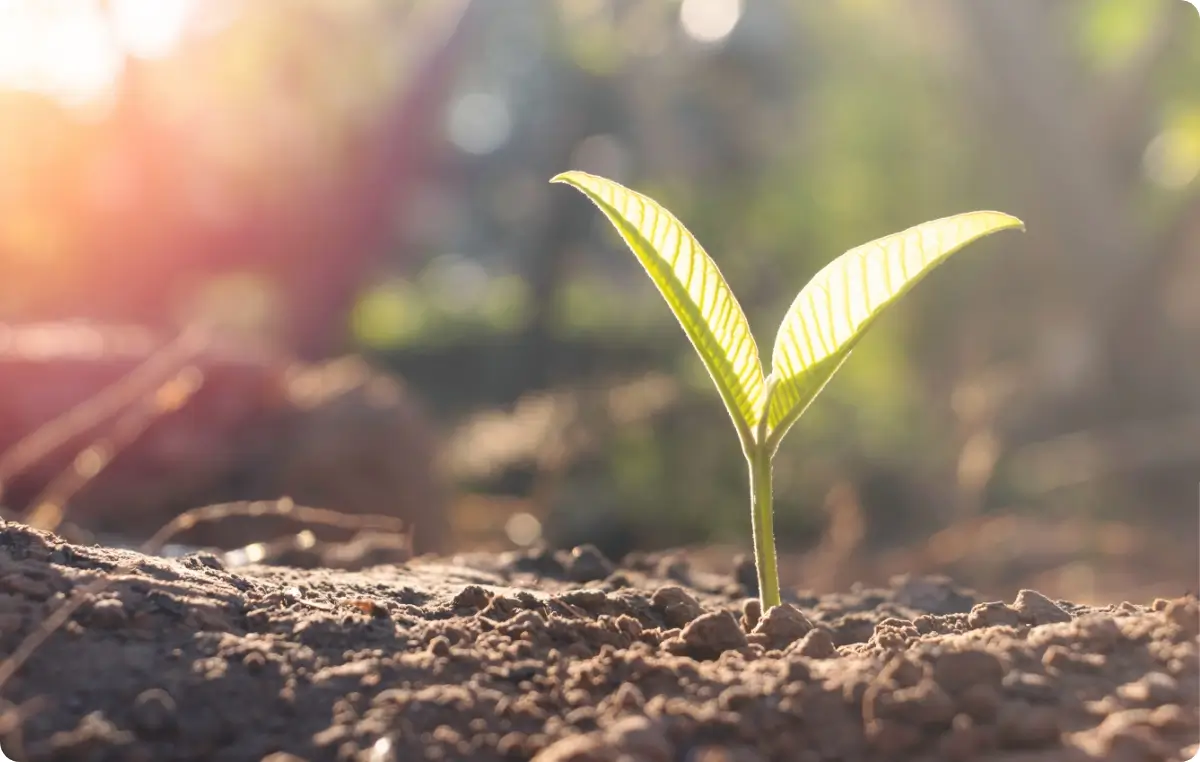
(566, 657)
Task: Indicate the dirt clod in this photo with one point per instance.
(588, 564)
(817, 644)
(154, 712)
(677, 606)
(993, 614)
(751, 613)
(708, 636)
(782, 626)
(1035, 608)
(472, 598)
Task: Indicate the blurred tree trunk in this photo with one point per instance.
(1107, 352)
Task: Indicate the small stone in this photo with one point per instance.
(471, 598)
(108, 613)
(254, 661)
(501, 608)
(439, 646)
(154, 713)
(817, 644)
(1035, 608)
(783, 625)
(676, 605)
(628, 625)
(710, 635)
(993, 614)
(588, 564)
(751, 613)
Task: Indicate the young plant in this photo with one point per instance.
(821, 327)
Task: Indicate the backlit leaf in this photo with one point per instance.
(693, 287)
(840, 303)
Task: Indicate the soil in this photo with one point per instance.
(567, 657)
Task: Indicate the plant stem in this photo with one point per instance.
(762, 524)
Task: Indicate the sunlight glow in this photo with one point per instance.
(149, 28)
(709, 21)
(73, 50)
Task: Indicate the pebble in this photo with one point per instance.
(154, 713)
(708, 636)
(472, 598)
(676, 605)
(108, 613)
(751, 613)
(588, 564)
(1035, 608)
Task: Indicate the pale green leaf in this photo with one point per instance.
(840, 303)
(693, 287)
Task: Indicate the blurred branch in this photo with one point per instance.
(1089, 456)
(1025, 61)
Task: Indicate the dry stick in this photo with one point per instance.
(105, 404)
(284, 507)
(47, 510)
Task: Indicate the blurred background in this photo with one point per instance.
(401, 316)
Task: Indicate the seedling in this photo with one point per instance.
(821, 327)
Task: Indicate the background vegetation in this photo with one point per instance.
(371, 176)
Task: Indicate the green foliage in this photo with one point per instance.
(827, 319)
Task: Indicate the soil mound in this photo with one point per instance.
(526, 656)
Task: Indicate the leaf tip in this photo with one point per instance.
(571, 177)
(1015, 223)
(1010, 222)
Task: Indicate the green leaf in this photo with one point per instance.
(694, 289)
(840, 303)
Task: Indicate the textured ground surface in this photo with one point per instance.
(567, 658)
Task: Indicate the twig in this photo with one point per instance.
(284, 507)
(47, 509)
(105, 404)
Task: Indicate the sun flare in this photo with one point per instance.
(74, 50)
